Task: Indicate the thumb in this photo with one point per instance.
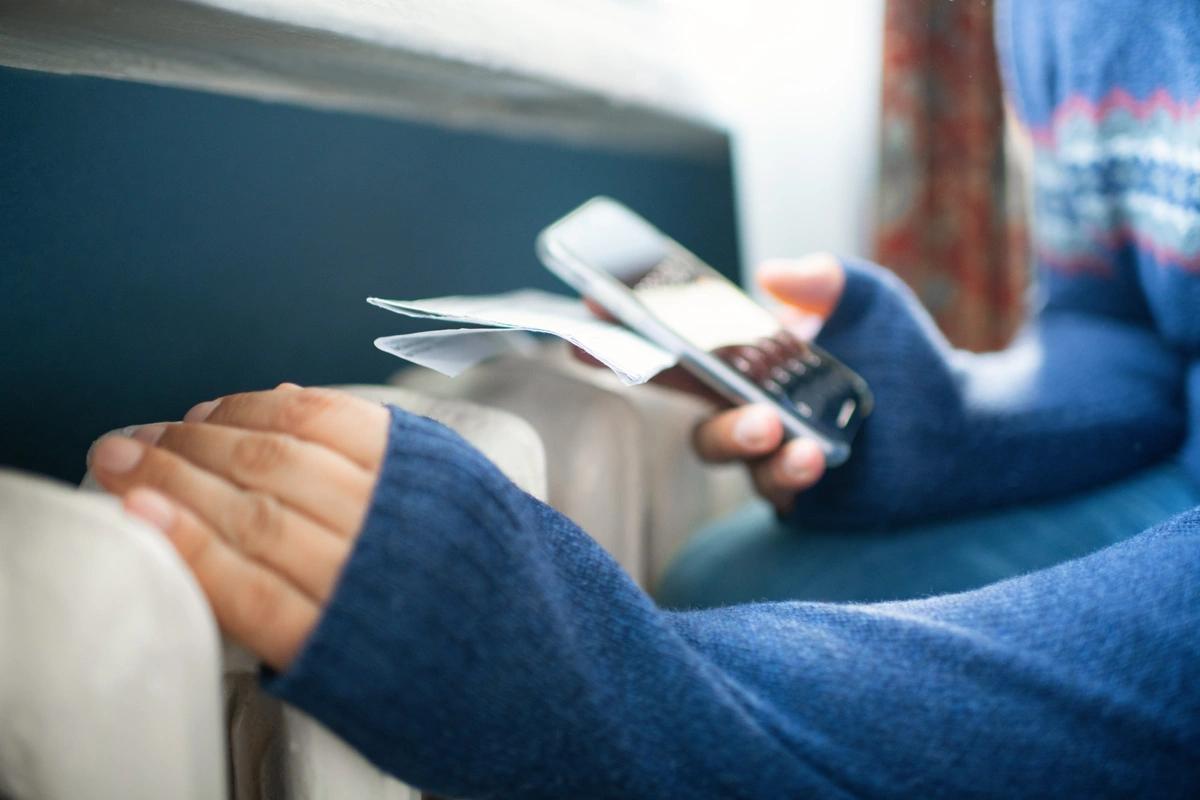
(813, 284)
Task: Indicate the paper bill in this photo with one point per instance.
(454, 351)
(634, 359)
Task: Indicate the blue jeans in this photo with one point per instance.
(751, 556)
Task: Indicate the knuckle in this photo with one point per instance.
(160, 470)
(256, 604)
(704, 436)
(782, 478)
(815, 478)
(768, 487)
(226, 408)
(259, 454)
(303, 410)
(256, 525)
(764, 481)
(191, 541)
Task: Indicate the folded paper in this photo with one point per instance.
(634, 359)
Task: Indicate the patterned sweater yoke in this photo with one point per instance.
(1110, 94)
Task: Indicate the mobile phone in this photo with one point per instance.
(659, 289)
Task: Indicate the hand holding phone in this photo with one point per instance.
(723, 337)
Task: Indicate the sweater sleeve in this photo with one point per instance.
(1084, 396)
(479, 645)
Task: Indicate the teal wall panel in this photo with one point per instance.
(161, 246)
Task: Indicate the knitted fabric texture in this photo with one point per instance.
(1106, 378)
(480, 645)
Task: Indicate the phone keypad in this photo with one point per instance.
(780, 366)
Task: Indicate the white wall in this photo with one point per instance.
(798, 83)
(795, 80)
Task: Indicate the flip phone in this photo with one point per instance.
(659, 289)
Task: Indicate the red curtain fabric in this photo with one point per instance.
(950, 220)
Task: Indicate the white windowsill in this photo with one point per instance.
(601, 71)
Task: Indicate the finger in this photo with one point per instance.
(346, 424)
(319, 483)
(676, 378)
(255, 606)
(813, 284)
(797, 466)
(598, 310)
(585, 357)
(739, 434)
(256, 524)
(681, 380)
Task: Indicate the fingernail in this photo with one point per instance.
(288, 385)
(128, 430)
(813, 283)
(797, 462)
(149, 434)
(753, 428)
(152, 507)
(116, 454)
(201, 411)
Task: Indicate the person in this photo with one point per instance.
(956, 462)
(472, 641)
(976, 469)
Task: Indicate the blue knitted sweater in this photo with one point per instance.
(1106, 378)
(478, 644)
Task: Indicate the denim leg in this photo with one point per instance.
(751, 556)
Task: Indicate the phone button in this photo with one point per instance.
(773, 388)
(749, 361)
(795, 366)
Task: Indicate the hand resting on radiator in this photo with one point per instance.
(262, 494)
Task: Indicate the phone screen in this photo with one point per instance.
(715, 315)
(701, 305)
(683, 292)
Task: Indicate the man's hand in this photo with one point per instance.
(262, 494)
(809, 288)
(754, 433)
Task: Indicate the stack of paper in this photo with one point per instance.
(506, 321)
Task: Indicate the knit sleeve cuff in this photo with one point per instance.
(874, 301)
(880, 330)
(387, 634)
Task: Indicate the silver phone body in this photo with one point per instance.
(602, 246)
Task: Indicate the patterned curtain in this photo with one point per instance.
(950, 214)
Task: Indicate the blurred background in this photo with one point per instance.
(198, 195)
